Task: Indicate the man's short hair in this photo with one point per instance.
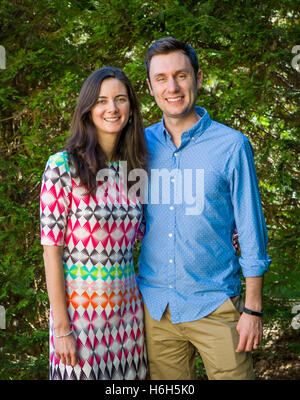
(168, 45)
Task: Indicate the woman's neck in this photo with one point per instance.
(107, 143)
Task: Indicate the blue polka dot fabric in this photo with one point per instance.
(198, 194)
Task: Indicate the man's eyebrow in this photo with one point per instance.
(183, 70)
(176, 73)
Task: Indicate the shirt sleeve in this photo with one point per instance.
(249, 218)
(55, 200)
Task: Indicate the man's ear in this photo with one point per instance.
(199, 79)
(150, 87)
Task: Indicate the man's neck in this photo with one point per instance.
(176, 126)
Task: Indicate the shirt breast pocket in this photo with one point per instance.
(215, 185)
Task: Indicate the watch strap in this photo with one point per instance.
(251, 312)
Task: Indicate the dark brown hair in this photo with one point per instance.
(82, 145)
(168, 45)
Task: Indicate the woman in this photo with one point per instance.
(88, 228)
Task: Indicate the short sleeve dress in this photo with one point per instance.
(104, 303)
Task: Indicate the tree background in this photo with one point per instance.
(245, 52)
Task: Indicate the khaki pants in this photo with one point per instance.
(171, 348)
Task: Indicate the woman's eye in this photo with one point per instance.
(100, 101)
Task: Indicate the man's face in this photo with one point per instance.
(173, 84)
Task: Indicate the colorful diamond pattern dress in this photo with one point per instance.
(104, 303)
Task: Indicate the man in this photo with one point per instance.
(189, 273)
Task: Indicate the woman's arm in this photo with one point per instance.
(65, 347)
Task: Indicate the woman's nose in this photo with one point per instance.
(112, 107)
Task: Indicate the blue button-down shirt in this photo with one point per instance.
(187, 258)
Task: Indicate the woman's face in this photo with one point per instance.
(111, 112)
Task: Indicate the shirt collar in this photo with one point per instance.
(198, 128)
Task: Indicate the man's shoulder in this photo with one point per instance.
(154, 136)
(231, 135)
(154, 128)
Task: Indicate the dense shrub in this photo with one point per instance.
(52, 46)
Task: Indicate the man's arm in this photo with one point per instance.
(250, 327)
(253, 241)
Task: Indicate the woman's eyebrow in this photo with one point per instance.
(118, 95)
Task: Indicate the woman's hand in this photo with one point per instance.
(66, 350)
(235, 241)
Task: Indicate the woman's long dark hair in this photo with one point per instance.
(82, 146)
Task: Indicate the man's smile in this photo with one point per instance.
(177, 99)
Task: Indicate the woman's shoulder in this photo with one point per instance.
(57, 171)
(59, 160)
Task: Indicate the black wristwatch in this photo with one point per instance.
(251, 312)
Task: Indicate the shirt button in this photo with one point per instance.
(170, 234)
(172, 180)
(175, 154)
(170, 286)
(170, 261)
(171, 208)
(193, 138)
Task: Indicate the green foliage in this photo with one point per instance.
(52, 46)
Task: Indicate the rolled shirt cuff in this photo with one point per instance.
(254, 267)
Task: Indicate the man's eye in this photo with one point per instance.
(182, 76)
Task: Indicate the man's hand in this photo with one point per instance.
(250, 329)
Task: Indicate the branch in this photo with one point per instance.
(5, 119)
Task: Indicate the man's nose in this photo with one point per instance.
(172, 85)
